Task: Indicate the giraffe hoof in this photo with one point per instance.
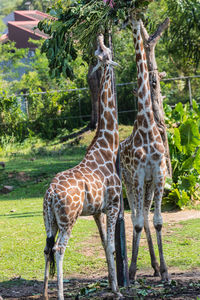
(132, 276)
(156, 274)
(156, 271)
(165, 276)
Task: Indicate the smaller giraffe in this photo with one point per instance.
(144, 166)
(91, 188)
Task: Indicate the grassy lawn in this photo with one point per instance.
(29, 169)
(181, 244)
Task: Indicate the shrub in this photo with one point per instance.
(184, 141)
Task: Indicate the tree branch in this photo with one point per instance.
(144, 32)
(153, 39)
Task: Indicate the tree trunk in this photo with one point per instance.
(94, 84)
(154, 78)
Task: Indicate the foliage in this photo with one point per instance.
(35, 5)
(177, 52)
(11, 60)
(11, 116)
(7, 6)
(184, 140)
(184, 28)
(34, 108)
(75, 25)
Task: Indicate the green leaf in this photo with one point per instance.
(168, 183)
(183, 200)
(50, 53)
(195, 107)
(188, 163)
(179, 109)
(196, 163)
(177, 139)
(187, 182)
(190, 137)
(53, 13)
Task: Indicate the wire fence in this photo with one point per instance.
(75, 104)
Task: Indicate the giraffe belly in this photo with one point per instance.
(92, 208)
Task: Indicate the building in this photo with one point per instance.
(24, 28)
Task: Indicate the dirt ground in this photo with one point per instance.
(182, 286)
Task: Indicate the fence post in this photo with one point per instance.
(79, 104)
(26, 106)
(190, 93)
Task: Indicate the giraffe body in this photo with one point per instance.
(144, 166)
(91, 188)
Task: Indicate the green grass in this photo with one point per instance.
(22, 234)
(181, 244)
(23, 240)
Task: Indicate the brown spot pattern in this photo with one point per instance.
(137, 140)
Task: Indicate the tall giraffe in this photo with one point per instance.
(91, 188)
(143, 165)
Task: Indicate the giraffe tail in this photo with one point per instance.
(50, 245)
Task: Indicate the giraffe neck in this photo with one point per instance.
(107, 136)
(145, 113)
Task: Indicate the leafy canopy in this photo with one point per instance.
(184, 30)
(75, 25)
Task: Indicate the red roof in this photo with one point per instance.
(31, 15)
(22, 29)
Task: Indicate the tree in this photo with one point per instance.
(179, 49)
(184, 32)
(11, 60)
(75, 25)
(154, 79)
(35, 4)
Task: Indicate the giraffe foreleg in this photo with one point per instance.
(147, 205)
(158, 222)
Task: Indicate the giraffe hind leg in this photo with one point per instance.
(110, 250)
(49, 263)
(51, 230)
(157, 220)
(128, 182)
(138, 224)
(49, 248)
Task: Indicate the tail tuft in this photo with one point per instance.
(50, 245)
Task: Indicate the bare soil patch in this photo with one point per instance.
(20, 176)
(184, 285)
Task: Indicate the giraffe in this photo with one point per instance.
(143, 165)
(90, 188)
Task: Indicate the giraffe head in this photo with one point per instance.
(103, 54)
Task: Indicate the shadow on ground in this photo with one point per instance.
(183, 286)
